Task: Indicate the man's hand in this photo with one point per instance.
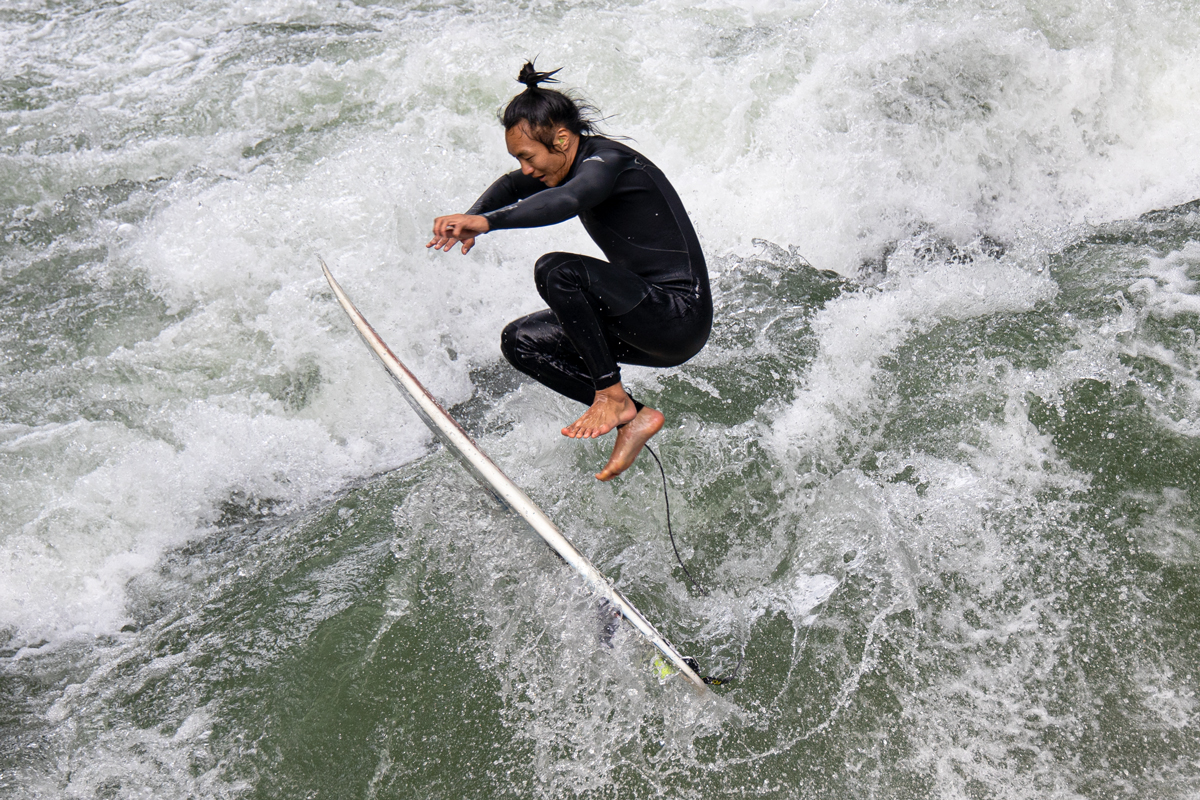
(457, 228)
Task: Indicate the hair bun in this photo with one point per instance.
(531, 77)
(542, 111)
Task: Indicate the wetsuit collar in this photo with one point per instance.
(582, 151)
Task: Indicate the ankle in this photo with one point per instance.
(613, 394)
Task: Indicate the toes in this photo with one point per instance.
(586, 428)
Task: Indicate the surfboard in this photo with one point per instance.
(500, 486)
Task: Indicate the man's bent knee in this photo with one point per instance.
(510, 343)
(558, 271)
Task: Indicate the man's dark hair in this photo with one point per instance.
(543, 110)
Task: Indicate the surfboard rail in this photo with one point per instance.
(500, 485)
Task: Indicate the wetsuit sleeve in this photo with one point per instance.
(508, 189)
(592, 183)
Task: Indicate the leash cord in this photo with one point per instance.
(667, 502)
(708, 679)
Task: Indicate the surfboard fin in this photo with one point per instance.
(610, 621)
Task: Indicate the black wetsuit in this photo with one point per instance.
(649, 304)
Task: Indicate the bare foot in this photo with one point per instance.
(630, 440)
(612, 407)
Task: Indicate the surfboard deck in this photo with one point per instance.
(499, 485)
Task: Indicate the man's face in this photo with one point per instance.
(548, 166)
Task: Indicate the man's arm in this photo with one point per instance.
(454, 228)
(592, 183)
(507, 190)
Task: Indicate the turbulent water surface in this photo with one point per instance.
(939, 463)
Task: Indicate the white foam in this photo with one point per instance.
(857, 330)
(1170, 288)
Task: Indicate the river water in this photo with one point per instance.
(939, 463)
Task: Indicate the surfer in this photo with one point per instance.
(648, 305)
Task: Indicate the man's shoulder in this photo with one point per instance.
(597, 149)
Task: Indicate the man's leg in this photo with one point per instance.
(538, 346)
(582, 292)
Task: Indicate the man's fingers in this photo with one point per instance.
(439, 227)
(447, 231)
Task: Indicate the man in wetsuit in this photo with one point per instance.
(649, 304)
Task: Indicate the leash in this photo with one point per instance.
(667, 502)
(691, 662)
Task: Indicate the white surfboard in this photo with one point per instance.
(499, 484)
